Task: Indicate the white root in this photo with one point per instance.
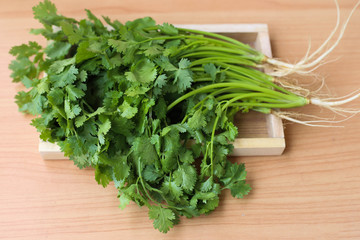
(302, 88)
(331, 34)
(320, 121)
(342, 97)
(307, 64)
(334, 104)
(294, 88)
(311, 123)
(322, 103)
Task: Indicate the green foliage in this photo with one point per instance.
(107, 99)
(163, 218)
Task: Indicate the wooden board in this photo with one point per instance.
(259, 134)
(311, 191)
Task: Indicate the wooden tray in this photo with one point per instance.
(259, 134)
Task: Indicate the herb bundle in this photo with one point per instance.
(149, 106)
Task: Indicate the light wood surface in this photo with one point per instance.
(312, 191)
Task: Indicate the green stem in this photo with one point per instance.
(183, 48)
(222, 37)
(211, 40)
(239, 86)
(205, 54)
(140, 194)
(206, 155)
(266, 82)
(84, 102)
(299, 103)
(212, 144)
(233, 52)
(203, 79)
(217, 92)
(244, 79)
(222, 60)
(249, 72)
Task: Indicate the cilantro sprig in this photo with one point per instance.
(148, 106)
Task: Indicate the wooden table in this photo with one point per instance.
(312, 191)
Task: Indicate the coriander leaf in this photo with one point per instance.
(151, 174)
(119, 163)
(83, 76)
(173, 43)
(104, 127)
(31, 102)
(163, 218)
(210, 102)
(203, 196)
(27, 82)
(142, 148)
(74, 36)
(187, 157)
(168, 29)
(96, 47)
(184, 63)
(56, 96)
(136, 91)
(209, 205)
(156, 141)
(211, 70)
(71, 110)
(67, 77)
(115, 24)
(122, 126)
(131, 192)
(172, 190)
(197, 121)
(146, 104)
(43, 85)
(143, 72)
(98, 111)
(232, 130)
(103, 175)
(207, 185)
(119, 45)
(59, 65)
(233, 172)
(22, 67)
(160, 81)
(79, 121)
(165, 63)
(239, 189)
(56, 50)
(83, 53)
(88, 134)
(153, 50)
(74, 93)
(111, 100)
(124, 201)
(98, 24)
(185, 176)
(25, 50)
(160, 109)
(45, 12)
(171, 148)
(81, 161)
(127, 111)
(183, 76)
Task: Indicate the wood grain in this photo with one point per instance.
(312, 191)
